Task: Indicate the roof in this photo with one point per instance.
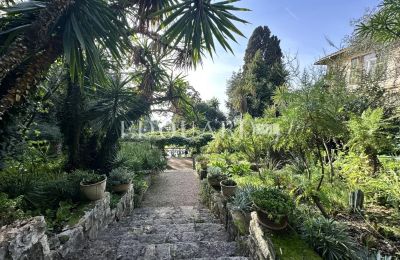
(330, 57)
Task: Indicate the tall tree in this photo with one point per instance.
(267, 44)
(263, 71)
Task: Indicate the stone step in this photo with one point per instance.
(168, 220)
(223, 258)
(188, 227)
(169, 211)
(212, 250)
(176, 236)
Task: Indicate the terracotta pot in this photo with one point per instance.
(227, 191)
(203, 174)
(120, 188)
(94, 191)
(265, 221)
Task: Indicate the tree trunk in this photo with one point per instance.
(36, 40)
(72, 124)
(319, 205)
(31, 75)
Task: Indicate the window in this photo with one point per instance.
(369, 63)
(355, 71)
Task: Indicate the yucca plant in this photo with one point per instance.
(36, 33)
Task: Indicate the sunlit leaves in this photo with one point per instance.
(199, 24)
(384, 25)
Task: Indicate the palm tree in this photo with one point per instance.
(35, 34)
(113, 103)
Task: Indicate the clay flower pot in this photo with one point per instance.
(264, 220)
(228, 188)
(94, 191)
(203, 174)
(121, 188)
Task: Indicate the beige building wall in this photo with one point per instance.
(386, 71)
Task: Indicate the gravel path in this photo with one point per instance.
(174, 188)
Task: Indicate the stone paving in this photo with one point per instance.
(175, 226)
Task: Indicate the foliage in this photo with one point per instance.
(197, 23)
(10, 209)
(120, 175)
(93, 179)
(243, 200)
(66, 214)
(328, 238)
(139, 184)
(140, 157)
(240, 169)
(274, 202)
(369, 135)
(214, 171)
(216, 175)
(384, 24)
(251, 91)
(115, 199)
(254, 138)
(382, 187)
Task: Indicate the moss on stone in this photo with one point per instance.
(291, 246)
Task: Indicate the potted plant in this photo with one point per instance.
(93, 186)
(120, 179)
(215, 176)
(203, 161)
(242, 206)
(228, 188)
(273, 207)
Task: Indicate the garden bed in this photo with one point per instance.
(29, 239)
(253, 239)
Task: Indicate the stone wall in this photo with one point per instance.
(28, 239)
(241, 227)
(260, 245)
(25, 239)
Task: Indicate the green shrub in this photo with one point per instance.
(10, 209)
(240, 169)
(216, 174)
(274, 201)
(49, 193)
(329, 238)
(67, 213)
(119, 176)
(93, 179)
(140, 157)
(213, 170)
(242, 200)
(139, 183)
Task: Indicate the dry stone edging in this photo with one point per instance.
(27, 239)
(245, 230)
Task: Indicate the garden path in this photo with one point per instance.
(171, 224)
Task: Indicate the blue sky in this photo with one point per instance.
(301, 25)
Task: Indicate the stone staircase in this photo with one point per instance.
(185, 232)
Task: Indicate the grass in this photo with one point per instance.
(290, 246)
